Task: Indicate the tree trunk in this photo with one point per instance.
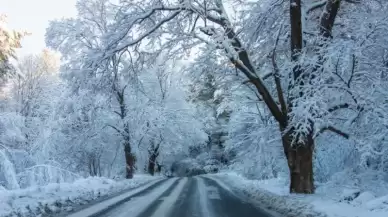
(159, 167)
(300, 163)
(296, 30)
(151, 165)
(130, 161)
(328, 17)
(153, 152)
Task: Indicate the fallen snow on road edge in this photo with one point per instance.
(283, 205)
(273, 195)
(58, 197)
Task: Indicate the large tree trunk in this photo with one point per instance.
(300, 163)
(300, 154)
(130, 161)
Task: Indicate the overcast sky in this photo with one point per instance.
(33, 16)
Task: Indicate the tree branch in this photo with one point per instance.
(115, 128)
(353, 1)
(354, 61)
(242, 61)
(265, 77)
(334, 130)
(337, 107)
(315, 5)
(276, 76)
(141, 37)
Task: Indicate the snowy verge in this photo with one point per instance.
(282, 205)
(273, 195)
(58, 197)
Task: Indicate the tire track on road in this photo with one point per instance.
(187, 204)
(140, 203)
(105, 206)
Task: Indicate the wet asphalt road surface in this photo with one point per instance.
(181, 197)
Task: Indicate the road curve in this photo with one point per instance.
(176, 197)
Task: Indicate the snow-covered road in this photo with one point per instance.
(176, 197)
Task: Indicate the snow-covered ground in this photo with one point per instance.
(53, 198)
(274, 195)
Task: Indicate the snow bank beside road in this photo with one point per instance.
(53, 198)
(263, 198)
(273, 195)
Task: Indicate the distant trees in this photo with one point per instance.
(9, 41)
(141, 108)
(35, 72)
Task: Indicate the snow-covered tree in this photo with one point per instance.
(295, 85)
(9, 41)
(142, 107)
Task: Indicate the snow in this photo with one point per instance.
(364, 197)
(106, 204)
(164, 209)
(138, 205)
(273, 195)
(380, 203)
(8, 169)
(203, 199)
(57, 197)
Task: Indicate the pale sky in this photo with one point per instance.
(33, 16)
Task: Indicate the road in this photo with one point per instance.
(175, 197)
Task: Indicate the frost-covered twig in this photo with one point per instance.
(334, 130)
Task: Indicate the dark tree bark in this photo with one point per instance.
(151, 165)
(296, 29)
(328, 17)
(300, 163)
(153, 154)
(158, 167)
(94, 165)
(129, 160)
(299, 154)
(129, 156)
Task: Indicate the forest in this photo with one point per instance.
(266, 89)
